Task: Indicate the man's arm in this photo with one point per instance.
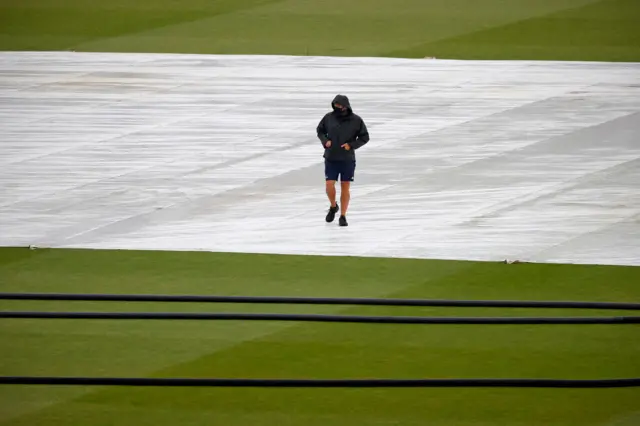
(362, 137)
(321, 130)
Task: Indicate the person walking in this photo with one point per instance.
(341, 132)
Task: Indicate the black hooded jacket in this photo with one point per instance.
(341, 128)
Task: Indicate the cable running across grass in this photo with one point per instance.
(318, 301)
(319, 383)
(316, 318)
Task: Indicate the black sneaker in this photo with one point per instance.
(343, 221)
(332, 213)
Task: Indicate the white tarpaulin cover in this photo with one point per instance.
(537, 161)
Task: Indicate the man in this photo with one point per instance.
(341, 133)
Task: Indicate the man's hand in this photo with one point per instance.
(346, 146)
(328, 144)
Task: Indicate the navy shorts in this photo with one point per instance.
(345, 169)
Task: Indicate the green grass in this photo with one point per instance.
(311, 350)
(469, 29)
(465, 29)
(603, 31)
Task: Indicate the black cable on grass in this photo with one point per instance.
(318, 318)
(319, 301)
(319, 383)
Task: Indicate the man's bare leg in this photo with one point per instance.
(345, 196)
(331, 192)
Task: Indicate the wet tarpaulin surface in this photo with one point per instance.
(536, 161)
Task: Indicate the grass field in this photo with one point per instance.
(466, 29)
(605, 30)
(311, 350)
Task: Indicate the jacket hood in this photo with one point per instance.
(342, 100)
